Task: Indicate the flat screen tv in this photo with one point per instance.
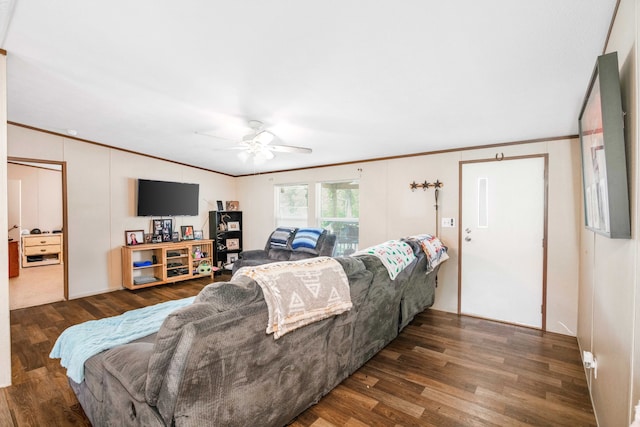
(163, 198)
(604, 163)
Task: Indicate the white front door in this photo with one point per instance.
(502, 240)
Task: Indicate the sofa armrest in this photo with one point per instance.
(254, 254)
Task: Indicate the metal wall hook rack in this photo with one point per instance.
(426, 185)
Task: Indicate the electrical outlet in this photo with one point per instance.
(448, 222)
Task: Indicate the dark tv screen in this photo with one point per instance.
(604, 161)
(163, 198)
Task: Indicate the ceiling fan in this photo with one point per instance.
(257, 144)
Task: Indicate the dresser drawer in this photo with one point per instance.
(41, 250)
(41, 240)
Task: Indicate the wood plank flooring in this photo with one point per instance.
(443, 370)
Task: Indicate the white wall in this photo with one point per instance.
(609, 292)
(390, 210)
(5, 337)
(101, 201)
(41, 194)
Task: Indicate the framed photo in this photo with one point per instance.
(233, 244)
(164, 229)
(233, 226)
(148, 238)
(175, 236)
(134, 237)
(233, 205)
(220, 207)
(198, 234)
(187, 232)
(231, 258)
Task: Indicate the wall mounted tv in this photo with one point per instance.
(604, 163)
(163, 198)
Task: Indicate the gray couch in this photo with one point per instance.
(325, 247)
(211, 362)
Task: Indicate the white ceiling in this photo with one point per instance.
(350, 79)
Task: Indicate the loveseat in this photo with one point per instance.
(211, 362)
(289, 244)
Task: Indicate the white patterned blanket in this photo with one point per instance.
(301, 292)
(395, 255)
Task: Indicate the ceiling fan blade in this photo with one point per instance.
(289, 149)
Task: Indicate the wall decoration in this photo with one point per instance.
(233, 226)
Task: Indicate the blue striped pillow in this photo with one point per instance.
(307, 238)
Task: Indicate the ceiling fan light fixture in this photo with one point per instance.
(267, 154)
(264, 137)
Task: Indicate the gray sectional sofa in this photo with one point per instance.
(211, 362)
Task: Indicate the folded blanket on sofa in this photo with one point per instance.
(433, 248)
(301, 292)
(79, 342)
(395, 255)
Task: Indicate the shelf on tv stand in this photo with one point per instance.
(160, 271)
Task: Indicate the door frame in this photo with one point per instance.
(500, 158)
(65, 228)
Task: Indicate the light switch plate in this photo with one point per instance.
(448, 222)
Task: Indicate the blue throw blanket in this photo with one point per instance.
(78, 343)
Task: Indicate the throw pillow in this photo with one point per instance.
(306, 239)
(280, 237)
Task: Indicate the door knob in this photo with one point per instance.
(467, 239)
(468, 230)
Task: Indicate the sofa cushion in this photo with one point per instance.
(306, 239)
(128, 364)
(223, 296)
(166, 341)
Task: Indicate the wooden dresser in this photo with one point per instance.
(14, 259)
(41, 249)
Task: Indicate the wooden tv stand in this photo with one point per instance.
(164, 262)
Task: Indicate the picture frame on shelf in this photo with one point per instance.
(148, 238)
(164, 229)
(233, 244)
(231, 258)
(175, 236)
(198, 234)
(220, 207)
(233, 205)
(134, 237)
(187, 232)
(233, 226)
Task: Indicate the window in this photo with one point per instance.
(339, 212)
(292, 205)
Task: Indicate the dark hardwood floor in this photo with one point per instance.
(443, 370)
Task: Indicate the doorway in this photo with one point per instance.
(502, 239)
(37, 201)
